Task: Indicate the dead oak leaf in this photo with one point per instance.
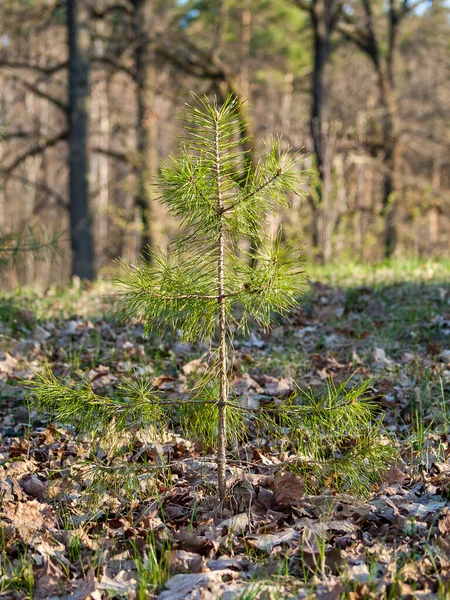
(49, 580)
(318, 560)
(85, 588)
(192, 542)
(29, 518)
(444, 523)
(181, 561)
(8, 365)
(193, 586)
(198, 365)
(394, 476)
(267, 542)
(288, 489)
(33, 486)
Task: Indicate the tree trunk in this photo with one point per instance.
(323, 25)
(145, 138)
(80, 217)
(321, 54)
(392, 157)
(100, 162)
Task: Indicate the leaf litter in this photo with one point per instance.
(273, 537)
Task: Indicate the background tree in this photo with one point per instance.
(78, 120)
(379, 40)
(324, 16)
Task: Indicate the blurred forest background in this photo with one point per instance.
(89, 90)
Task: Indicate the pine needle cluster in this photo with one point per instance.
(208, 287)
(333, 438)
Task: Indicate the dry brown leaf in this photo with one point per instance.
(164, 381)
(288, 489)
(121, 584)
(267, 542)
(188, 587)
(317, 561)
(48, 581)
(8, 365)
(444, 522)
(33, 486)
(394, 475)
(234, 525)
(29, 518)
(181, 561)
(194, 366)
(86, 588)
(194, 543)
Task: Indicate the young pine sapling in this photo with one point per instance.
(207, 285)
(206, 276)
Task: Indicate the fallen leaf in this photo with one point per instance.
(119, 584)
(86, 588)
(9, 364)
(394, 475)
(288, 489)
(267, 542)
(194, 366)
(195, 543)
(187, 587)
(181, 561)
(33, 486)
(29, 518)
(444, 522)
(235, 525)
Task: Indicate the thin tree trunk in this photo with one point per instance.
(146, 144)
(100, 166)
(80, 217)
(222, 405)
(392, 157)
(323, 25)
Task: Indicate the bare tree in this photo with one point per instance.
(324, 16)
(383, 54)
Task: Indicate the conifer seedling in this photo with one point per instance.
(207, 278)
(207, 288)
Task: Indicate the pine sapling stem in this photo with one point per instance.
(222, 405)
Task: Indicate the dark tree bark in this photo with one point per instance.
(80, 217)
(324, 16)
(146, 144)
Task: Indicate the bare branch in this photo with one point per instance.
(38, 92)
(409, 8)
(260, 188)
(356, 37)
(60, 200)
(117, 66)
(33, 151)
(122, 156)
(115, 8)
(16, 64)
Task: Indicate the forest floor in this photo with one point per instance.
(392, 323)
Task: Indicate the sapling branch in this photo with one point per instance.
(256, 191)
